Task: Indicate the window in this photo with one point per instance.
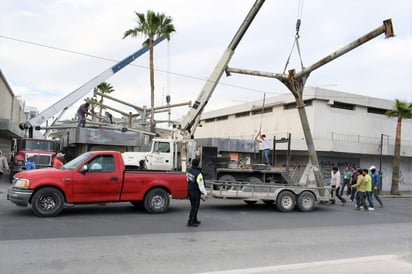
(210, 120)
(242, 114)
(102, 163)
(343, 105)
(163, 147)
(259, 111)
(377, 110)
(221, 118)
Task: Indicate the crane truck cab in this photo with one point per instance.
(164, 154)
(42, 150)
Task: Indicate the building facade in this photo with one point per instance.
(11, 115)
(347, 129)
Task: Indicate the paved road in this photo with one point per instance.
(233, 238)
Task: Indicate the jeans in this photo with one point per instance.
(353, 192)
(376, 195)
(369, 196)
(265, 156)
(345, 183)
(338, 195)
(80, 120)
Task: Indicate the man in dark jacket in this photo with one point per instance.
(81, 114)
(196, 188)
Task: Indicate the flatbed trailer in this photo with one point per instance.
(285, 196)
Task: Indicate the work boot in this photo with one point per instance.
(192, 224)
(197, 222)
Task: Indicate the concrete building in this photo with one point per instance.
(348, 129)
(11, 115)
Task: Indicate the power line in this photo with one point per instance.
(139, 66)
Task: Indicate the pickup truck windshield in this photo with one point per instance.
(76, 161)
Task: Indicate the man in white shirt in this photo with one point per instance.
(335, 183)
(266, 149)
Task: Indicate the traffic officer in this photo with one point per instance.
(196, 188)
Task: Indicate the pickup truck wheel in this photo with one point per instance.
(306, 201)
(156, 201)
(286, 201)
(47, 202)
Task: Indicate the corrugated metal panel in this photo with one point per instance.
(224, 144)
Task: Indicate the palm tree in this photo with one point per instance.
(104, 88)
(402, 110)
(152, 26)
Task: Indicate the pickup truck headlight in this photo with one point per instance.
(22, 183)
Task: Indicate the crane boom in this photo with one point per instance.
(191, 120)
(67, 101)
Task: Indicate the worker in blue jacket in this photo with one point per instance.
(30, 163)
(376, 184)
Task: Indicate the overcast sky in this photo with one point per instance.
(41, 75)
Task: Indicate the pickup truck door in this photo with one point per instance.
(101, 182)
(161, 157)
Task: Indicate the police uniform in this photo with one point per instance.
(196, 188)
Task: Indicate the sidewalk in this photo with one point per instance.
(403, 194)
(376, 264)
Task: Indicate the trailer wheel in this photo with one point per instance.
(224, 179)
(306, 201)
(286, 201)
(156, 201)
(252, 181)
(47, 202)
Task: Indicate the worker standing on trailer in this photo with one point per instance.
(81, 114)
(196, 188)
(266, 149)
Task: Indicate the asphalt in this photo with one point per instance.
(396, 264)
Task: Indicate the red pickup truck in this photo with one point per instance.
(95, 177)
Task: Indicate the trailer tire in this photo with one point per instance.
(47, 202)
(306, 201)
(286, 201)
(222, 180)
(156, 201)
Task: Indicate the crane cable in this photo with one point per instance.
(296, 41)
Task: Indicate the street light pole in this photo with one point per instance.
(381, 153)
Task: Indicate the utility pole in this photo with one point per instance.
(295, 82)
(381, 156)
